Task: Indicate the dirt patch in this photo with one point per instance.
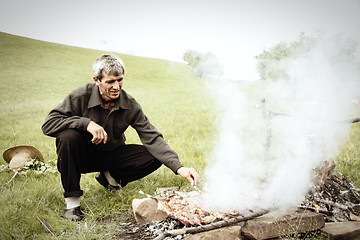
(134, 231)
(125, 226)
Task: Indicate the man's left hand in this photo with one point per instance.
(190, 174)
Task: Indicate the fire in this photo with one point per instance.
(317, 208)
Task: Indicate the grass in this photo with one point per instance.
(36, 76)
(348, 161)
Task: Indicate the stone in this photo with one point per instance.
(146, 210)
(290, 222)
(342, 230)
(225, 233)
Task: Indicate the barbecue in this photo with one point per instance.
(333, 196)
(187, 214)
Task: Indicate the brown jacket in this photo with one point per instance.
(85, 104)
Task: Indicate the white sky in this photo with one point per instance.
(234, 30)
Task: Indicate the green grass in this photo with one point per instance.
(348, 161)
(36, 76)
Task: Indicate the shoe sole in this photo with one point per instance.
(104, 182)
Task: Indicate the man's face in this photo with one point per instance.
(110, 86)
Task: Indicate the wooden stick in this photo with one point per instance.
(355, 120)
(351, 186)
(47, 227)
(335, 204)
(211, 226)
(16, 172)
(320, 210)
(269, 113)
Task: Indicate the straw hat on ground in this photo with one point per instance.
(18, 155)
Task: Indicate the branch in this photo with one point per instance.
(351, 186)
(16, 172)
(334, 204)
(269, 114)
(47, 227)
(319, 210)
(355, 120)
(211, 226)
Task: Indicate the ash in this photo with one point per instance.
(156, 228)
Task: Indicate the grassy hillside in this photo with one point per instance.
(35, 77)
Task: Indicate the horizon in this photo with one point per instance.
(235, 31)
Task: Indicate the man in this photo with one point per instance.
(89, 127)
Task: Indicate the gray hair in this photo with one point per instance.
(110, 64)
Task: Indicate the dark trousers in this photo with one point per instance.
(76, 155)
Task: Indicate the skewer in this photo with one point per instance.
(148, 195)
(196, 188)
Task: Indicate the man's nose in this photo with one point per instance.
(116, 85)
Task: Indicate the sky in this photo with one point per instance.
(234, 30)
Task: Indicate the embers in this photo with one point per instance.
(156, 228)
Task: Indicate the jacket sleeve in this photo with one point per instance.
(66, 115)
(154, 141)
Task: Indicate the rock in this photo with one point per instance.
(342, 230)
(292, 221)
(146, 210)
(224, 233)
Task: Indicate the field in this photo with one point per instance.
(36, 76)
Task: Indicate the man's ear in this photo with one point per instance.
(96, 80)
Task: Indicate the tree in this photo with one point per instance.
(269, 64)
(203, 64)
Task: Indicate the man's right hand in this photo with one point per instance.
(98, 132)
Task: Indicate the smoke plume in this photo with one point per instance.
(264, 158)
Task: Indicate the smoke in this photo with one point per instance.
(316, 95)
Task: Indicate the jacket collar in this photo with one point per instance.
(95, 99)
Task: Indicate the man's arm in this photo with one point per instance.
(154, 142)
(156, 145)
(64, 116)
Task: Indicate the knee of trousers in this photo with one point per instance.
(68, 136)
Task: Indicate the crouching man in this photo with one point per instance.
(89, 128)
